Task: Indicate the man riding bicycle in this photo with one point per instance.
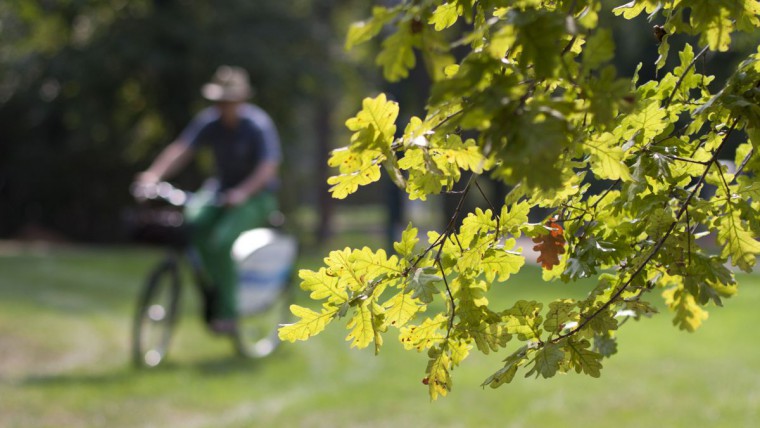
(246, 149)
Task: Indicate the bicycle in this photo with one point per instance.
(265, 258)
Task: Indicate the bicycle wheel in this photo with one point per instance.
(256, 335)
(265, 260)
(156, 315)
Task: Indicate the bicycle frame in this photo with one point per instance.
(201, 284)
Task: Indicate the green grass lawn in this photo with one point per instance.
(65, 320)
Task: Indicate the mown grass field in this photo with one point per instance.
(65, 318)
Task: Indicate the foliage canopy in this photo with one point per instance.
(629, 169)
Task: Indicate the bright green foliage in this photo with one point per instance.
(689, 315)
(310, 324)
(445, 15)
(363, 31)
(629, 169)
(738, 242)
(397, 56)
(607, 158)
(375, 125)
(359, 164)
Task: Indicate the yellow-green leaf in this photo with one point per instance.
(599, 49)
(346, 184)
(375, 125)
(689, 315)
(429, 333)
(465, 155)
(648, 122)
(633, 8)
(607, 158)
(501, 41)
(476, 223)
(323, 286)
(341, 265)
(445, 15)
(524, 319)
(362, 331)
(438, 377)
(374, 264)
(513, 217)
(310, 323)
(405, 247)
(362, 31)
(459, 349)
(714, 21)
(397, 54)
(401, 308)
(499, 263)
(560, 313)
(737, 241)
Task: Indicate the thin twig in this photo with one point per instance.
(493, 209)
(603, 195)
(744, 163)
(451, 297)
(683, 76)
(688, 238)
(678, 158)
(483, 194)
(722, 177)
(442, 238)
(439, 243)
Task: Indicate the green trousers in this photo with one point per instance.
(213, 230)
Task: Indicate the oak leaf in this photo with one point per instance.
(550, 246)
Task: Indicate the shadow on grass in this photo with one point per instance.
(71, 379)
(218, 366)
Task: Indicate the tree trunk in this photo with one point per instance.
(323, 127)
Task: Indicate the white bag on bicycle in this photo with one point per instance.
(264, 259)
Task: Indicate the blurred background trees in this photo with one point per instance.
(91, 90)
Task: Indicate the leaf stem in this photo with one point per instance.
(495, 213)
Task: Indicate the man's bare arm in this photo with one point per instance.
(257, 180)
(171, 160)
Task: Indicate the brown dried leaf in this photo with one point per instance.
(550, 246)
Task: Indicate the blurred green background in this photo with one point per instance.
(91, 90)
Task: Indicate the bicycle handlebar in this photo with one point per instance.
(161, 190)
(167, 192)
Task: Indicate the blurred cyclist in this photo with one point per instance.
(247, 155)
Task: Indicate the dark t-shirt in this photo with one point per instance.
(237, 152)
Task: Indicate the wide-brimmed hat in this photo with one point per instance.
(228, 84)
